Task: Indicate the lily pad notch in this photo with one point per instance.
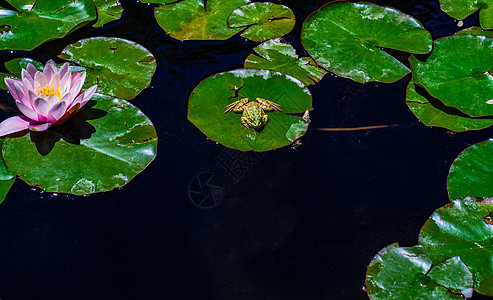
(121, 68)
(262, 20)
(339, 28)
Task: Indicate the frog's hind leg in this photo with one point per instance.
(268, 105)
(236, 106)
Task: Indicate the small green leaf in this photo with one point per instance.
(278, 56)
(460, 9)
(262, 20)
(31, 26)
(104, 152)
(15, 67)
(345, 38)
(457, 73)
(407, 273)
(198, 19)
(471, 173)
(477, 31)
(6, 180)
(436, 114)
(463, 228)
(108, 10)
(208, 100)
(119, 67)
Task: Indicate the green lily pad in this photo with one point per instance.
(198, 19)
(119, 67)
(31, 26)
(458, 73)
(460, 9)
(471, 173)
(346, 39)
(108, 10)
(123, 144)
(262, 20)
(477, 31)
(438, 115)
(463, 228)
(278, 56)
(6, 180)
(208, 100)
(407, 273)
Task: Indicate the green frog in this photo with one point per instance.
(254, 116)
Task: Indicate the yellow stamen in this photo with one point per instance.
(49, 90)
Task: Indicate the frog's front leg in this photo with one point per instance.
(236, 106)
(268, 105)
(265, 119)
(245, 122)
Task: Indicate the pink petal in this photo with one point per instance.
(64, 70)
(26, 76)
(55, 82)
(57, 111)
(41, 79)
(65, 83)
(87, 95)
(10, 85)
(13, 124)
(52, 100)
(75, 76)
(50, 70)
(32, 97)
(27, 111)
(84, 97)
(27, 84)
(42, 107)
(77, 85)
(31, 69)
(39, 126)
(66, 98)
(21, 92)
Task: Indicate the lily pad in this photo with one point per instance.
(121, 145)
(463, 228)
(108, 10)
(6, 180)
(198, 19)
(208, 100)
(51, 19)
(458, 73)
(460, 9)
(477, 31)
(471, 173)
(407, 273)
(278, 56)
(436, 114)
(346, 39)
(119, 67)
(262, 20)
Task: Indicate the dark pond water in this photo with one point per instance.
(289, 224)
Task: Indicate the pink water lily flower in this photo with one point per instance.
(45, 98)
